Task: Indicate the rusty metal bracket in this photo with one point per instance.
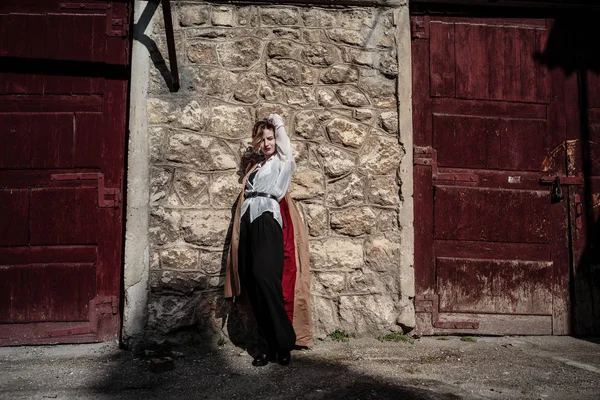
(115, 27)
(429, 303)
(564, 180)
(419, 27)
(428, 156)
(166, 4)
(102, 191)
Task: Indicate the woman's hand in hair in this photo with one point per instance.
(275, 119)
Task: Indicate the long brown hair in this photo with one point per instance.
(253, 155)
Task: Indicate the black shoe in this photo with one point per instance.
(260, 360)
(284, 358)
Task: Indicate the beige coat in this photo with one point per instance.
(302, 317)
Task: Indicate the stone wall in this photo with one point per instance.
(332, 74)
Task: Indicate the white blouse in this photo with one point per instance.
(273, 177)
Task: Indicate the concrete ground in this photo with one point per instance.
(427, 368)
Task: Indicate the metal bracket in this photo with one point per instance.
(102, 191)
(564, 180)
(428, 156)
(115, 27)
(419, 27)
(428, 303)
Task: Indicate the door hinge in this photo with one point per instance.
(428, 156)
(419, 27)
(115, 202)
(116, 27)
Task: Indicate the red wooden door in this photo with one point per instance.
(491, 249)
(63, 96)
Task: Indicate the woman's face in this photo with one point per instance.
(267, 144)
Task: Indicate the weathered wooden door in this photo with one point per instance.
(63, 96)
(491, 247)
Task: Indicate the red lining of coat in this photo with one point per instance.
(288, 282)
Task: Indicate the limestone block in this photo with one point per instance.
(288, 71)
(340, 74)
(382, 155)
(285, 33)
(300, 96)
(382, 253)
(279, 16)
(361, 57)
(353, 221)
(307, 126)
(164, 225)
(320, 54)
(362, 281)
(157, 139)
(388, 120)
(179, 258)
(383, 190)
(207, 81)
(347, 36)
(265, 109)
(205, 227)
(224, 190)
(355, 19)
(283, 49)
(351, 97)
(231, 121)
(247, 88)
(318, 17)
(388, 65)
(361, 315)
(246, 16)
(239, 53)
(222, 16)
(406, 319)
(335, 161)
(316, 219)
(388, 221)
(202, 53)
(327, 98)
(169, 313)
(336, 253)
(193, 15)
(347, 190)
(162, 112)
(212, 262)
(309, 75)
(362, 114)
(300, 153)
(160, 179)
(206, 153)
(306, 184)
(193, 116)
(314, 36)
(347, 133)
(216, 33)
(379, 88)
(329, 283)
(191, 187)
(325, 316)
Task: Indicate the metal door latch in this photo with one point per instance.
(115, 202)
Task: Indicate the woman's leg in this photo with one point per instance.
(275, 327)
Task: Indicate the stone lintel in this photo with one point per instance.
(322, 3)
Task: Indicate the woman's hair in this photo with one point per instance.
(253, 154)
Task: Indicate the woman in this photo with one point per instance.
(269, 248)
